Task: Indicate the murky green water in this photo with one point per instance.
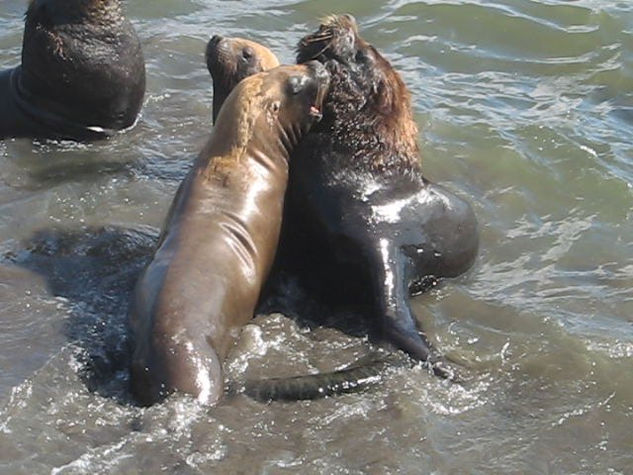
(525, 108)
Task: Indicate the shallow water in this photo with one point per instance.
(525, 109)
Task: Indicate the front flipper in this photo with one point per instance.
(398, 325)
(415, 343)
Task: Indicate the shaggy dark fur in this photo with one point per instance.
(368, 112)
(363, 228)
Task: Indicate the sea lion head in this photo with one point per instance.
(229, 60)
(283, 103)
(82, 65)
(367, 99)
(57, 12)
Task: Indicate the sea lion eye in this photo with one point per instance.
(247, 53)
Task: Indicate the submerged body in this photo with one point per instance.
(220, 237)
(82, 74)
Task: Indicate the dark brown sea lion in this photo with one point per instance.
(220, 237)
(362, 226)
(230, 60)
(82, 75)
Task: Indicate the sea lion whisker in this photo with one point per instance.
(316, 38)
(296, 133)
(321, 51)
(287, 139)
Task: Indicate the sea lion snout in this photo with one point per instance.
(237, 58)
(336, 37)
(316, 76)
(313, 83)
(322, 78)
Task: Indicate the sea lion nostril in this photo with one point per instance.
(297, 83)
(318, 69)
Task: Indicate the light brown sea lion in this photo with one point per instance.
(82, 75)
(220, 237)
(230, 60)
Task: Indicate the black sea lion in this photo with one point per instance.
(230, 60)
(82, 75)
(220, 237)
(376, 230)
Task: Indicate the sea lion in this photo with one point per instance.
(362, 226)
(220, 236)
(229, 60)
(82, 75)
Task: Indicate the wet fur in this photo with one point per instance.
(220, 237)
(229, 60)
(367, 135)
(82, 74)
(340, 235)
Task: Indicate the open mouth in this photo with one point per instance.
(315, 112)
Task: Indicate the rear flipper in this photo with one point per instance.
(355, 378)
(390, 276)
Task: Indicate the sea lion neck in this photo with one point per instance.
(243, 132)
(250, 139)
(368, 141)
(233, 130)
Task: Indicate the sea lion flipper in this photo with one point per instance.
(399, 325)
(354, 378)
